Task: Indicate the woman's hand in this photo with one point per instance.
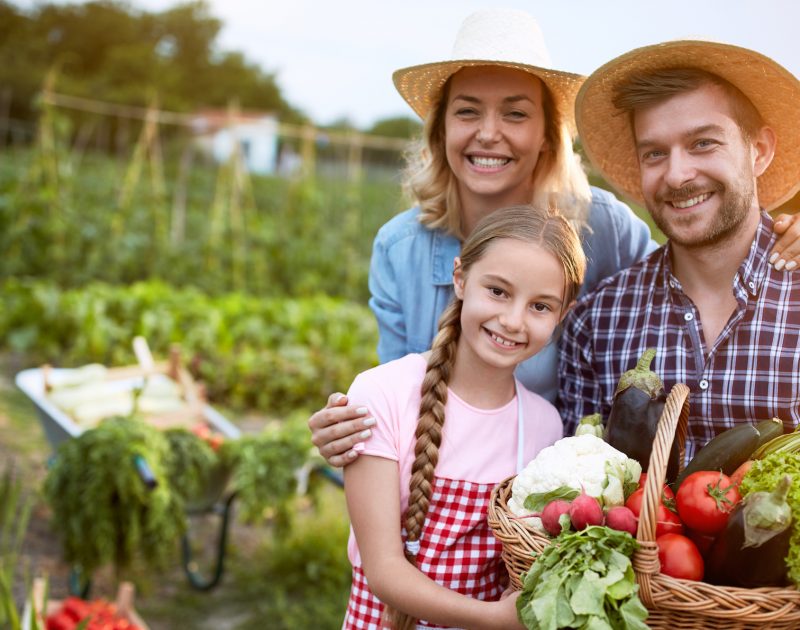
(337, 428)
(786, 253)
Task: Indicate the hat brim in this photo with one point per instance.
(607, 136)
(421, 85)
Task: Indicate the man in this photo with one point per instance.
(707, 136)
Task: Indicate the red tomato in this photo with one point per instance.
(705, 500)
(666, 491)
(75, 607)
(679, 557)
(60, 621)
(667, 521)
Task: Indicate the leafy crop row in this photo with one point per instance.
(271, 354)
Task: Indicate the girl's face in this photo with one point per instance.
(494, 132)
(512, 302)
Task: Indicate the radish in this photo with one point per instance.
(551, 516)
(622, 519)
(584, 511)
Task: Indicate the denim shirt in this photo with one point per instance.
(411, 279)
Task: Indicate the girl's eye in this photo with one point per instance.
(541, 307)
(497, 291)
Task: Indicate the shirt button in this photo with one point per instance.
(752, 286)
(688, 317)
(703, 384)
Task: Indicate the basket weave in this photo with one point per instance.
(673, 604)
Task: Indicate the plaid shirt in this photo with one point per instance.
(751, 373)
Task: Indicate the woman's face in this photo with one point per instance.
(494, 132)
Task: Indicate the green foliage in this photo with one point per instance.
(103, 509)
(303, 578)
(264, 469)
(271, 354)
(764, 476)
(15, 510)
(63, 220)
(399, 127)
(192, 465)
(583, 580)
(113, 51)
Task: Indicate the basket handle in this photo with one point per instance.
(674, 421)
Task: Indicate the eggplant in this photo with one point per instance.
(751, 551)
(635, 411)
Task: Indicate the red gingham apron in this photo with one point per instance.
(457, 550)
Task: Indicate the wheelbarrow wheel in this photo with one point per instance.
(199, 581)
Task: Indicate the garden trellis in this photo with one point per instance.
(119, 193)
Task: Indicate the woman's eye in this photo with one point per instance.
(517, 115)
(466, 111)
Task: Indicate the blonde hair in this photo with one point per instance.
(559, 182)
(542, 227)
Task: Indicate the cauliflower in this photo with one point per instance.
(579, 462)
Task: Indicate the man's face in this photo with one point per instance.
(698, 174)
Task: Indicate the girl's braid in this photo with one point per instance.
(429, 436)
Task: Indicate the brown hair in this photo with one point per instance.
(648, 88)
(559, 180)
(544, 228)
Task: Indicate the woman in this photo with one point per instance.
(498, 131)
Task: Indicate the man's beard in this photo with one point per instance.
(733, 210)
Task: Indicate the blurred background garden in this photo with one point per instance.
(155, 184)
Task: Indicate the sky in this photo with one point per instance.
(334, 60)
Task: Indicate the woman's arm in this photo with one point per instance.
(385, 303)
(372, 490)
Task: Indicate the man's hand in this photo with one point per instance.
(337, 428)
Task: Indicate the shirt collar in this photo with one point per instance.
(751, 272)
(754, 268)
(445, 248)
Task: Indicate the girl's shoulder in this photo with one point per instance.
(393, 378)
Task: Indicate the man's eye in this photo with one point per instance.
(704, 144)
(651, 155)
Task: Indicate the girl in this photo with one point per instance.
(499, 126)
(419, 493)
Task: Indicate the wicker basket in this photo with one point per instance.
(674, 604)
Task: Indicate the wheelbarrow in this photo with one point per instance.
(58, 425)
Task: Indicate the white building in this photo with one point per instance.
(219, 133)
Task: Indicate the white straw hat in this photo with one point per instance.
(606, 133)
(491, 37)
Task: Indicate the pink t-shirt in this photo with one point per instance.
(478, 445)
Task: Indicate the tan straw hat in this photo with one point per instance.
(491, 37)
(606, 133)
